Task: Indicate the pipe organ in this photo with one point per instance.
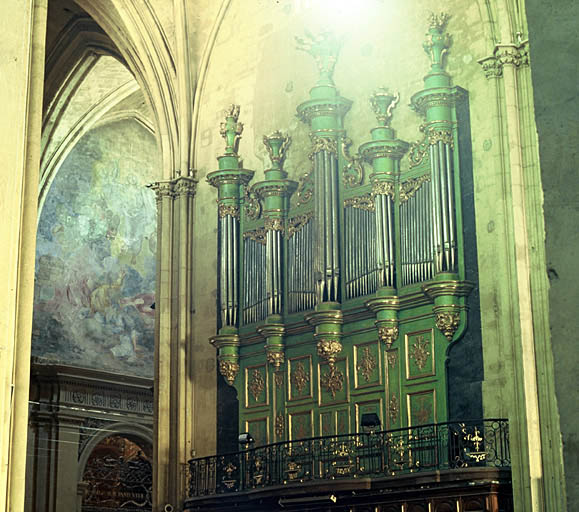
(341, 292)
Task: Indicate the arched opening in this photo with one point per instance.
(118, 476)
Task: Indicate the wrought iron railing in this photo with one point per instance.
(422, 448)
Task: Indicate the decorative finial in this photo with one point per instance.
(437, 41)
(324, 48)
(277, 145)
(383, 103)
(231, 129)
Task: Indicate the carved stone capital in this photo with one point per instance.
(185, 186)
(505, 55)
(163, 190)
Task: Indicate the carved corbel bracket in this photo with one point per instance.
(447, 321)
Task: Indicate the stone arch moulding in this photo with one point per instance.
(125, 429)
(138, 35)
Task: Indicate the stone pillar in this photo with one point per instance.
(22, 39)
(174, 379)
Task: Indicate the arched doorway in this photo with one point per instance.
(118, 476)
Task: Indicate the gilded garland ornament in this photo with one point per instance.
(305, 190)
(300, 377)
(333, 381)
(228, 209)
(353, 173)
(296, 223)
(392, 359)
(323, 144)
(256, 384)
(273, 224)
(444, 136)
(409, 188)
(393, 408)
(328, 349)
(384, 188)
(418, 151)
(252, 205)
(257, 235)
(447, 323)
(279, 425)
(367, 364)
(278, 378)
(388, 333)
(365, 202)
(231, 129)
(419, 352)
(229, 370)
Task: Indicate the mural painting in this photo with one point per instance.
(95, 255)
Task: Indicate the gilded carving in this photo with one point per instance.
(257, 235)
(333, 381)
(367, 364)
(273, 224)
(256, 384)
(305, 189)
(353, 174)
(383, 103)
(438, 21)
(277, 145)
(228, 209)
(278, 378)
(324, 48)
(300, 377)
(447, 323)
(365, 202)
(279, 425)
(231, 129)
(477, 443)
(392, 358)
(229, 370)
(388, 333)
(323, 144)
(410, 187)
(329, 348)
(296, 223)
(393, 408)
(381, 187)
(418, 150)
(275, 358)
(419, 352)
(252, 205)
(444, 136)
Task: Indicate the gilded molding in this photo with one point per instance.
(447, 323)
(438, 99)
(367, 364)
(228, 209)
(257, 235)
(296, 223)
(307, 113)
(256, 384)
(410, 187)
(229, 370)
(333, 381)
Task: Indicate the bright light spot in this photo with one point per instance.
(341, 14)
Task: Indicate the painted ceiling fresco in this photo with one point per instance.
(95, 255)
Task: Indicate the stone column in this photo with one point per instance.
(22, 39)
(174, 380)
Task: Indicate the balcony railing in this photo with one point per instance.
(442, 446)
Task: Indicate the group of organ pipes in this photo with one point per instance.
(353, 225)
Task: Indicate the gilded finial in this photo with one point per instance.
(231, 129)
(277, 145)
(437, 41)
(383, 104)
(324, 48)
